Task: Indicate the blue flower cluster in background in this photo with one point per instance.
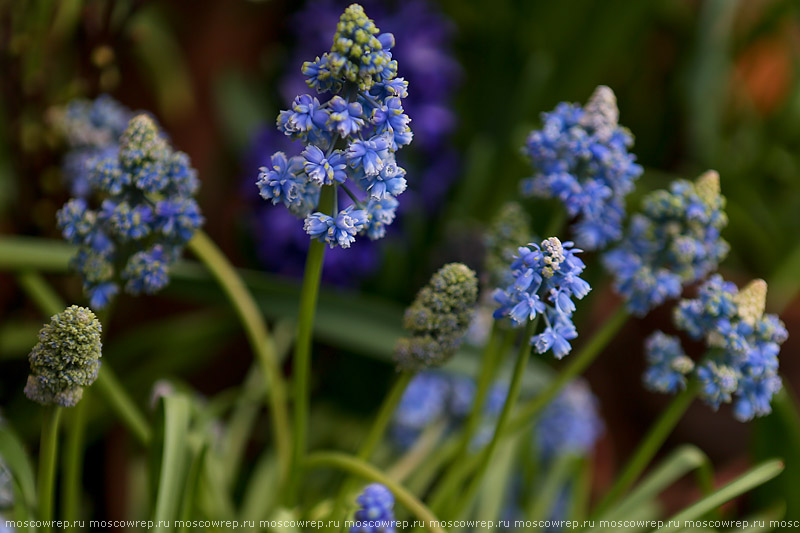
(423, 49)
(741, 366)
(570, 424)
(92, 129)
(376, 510)
(146, 216)
(580, 156)
(674, 242)
(545, 280)
(350, 139)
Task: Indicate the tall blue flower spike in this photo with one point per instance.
(571, 423)
(350, 139)
(146, 215)
(580, 156)
(674, 242)
(376, 511)
(545, 279)
(92, 129)
(66, 359)
(741, 366)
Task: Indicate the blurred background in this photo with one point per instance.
(701, 84)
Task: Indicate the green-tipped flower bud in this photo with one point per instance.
(438, 319)
(66, 359)
(509, 230)
(751, 301)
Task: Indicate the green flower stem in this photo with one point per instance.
(48, 456)
(257, 334)
(364, 470)
(374, 436)
(73, 463)
(302, 351)
(577, 364)
(496, 348)
(109, 386)
(553, 482)
(648, 447)
(524, 354)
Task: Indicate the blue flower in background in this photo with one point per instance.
(570, 424)
(92, 129)
(147, 191)
(674, 242)
(741, 365)
(545, 279)
(580, 156)
(423, 50)
(376, 510)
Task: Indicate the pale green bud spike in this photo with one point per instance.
(752, 300)
(601, 112)
(66, 359)
(707, 186)
(438, 318)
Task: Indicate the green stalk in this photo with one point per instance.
(364, 470)
(109, 386)
(114, 393)
(495, 349)
(257, 334)
(48, 457)
(648, 448)
(513, 393)
(302, 351)
(554, 480)
(73, 463)
(374, 436)
(577, 364)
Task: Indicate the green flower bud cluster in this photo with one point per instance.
(510, 229)
(66, 359)
(438, 318)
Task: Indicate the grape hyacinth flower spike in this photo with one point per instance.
(350, 138)
(545, 279)
(376, 511)
(438, 319)
(146, 215)
(580, 156)
(571, 423)
(66, 359)
(741, 365)
(674, 242)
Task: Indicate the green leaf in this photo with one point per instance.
(16, 459)
(675, 466)
(174, 462)
(744, 483)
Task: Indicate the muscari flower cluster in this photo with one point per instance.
(147, 215)
(429, 397)
(675, 241)
(438, 319)
(571, 423)
(423, 48)
(92, 129)
(375, 512)
(66, 359)
(511, 226)
(349, 139)
(580, 156)
(545, 279)
(741, 366)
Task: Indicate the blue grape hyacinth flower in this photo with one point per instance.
(674, 242)
(570, 424)
(741, 365)
(580, 156)
(146, 215)
(546, 278)
(376, 511)
(350, 138)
